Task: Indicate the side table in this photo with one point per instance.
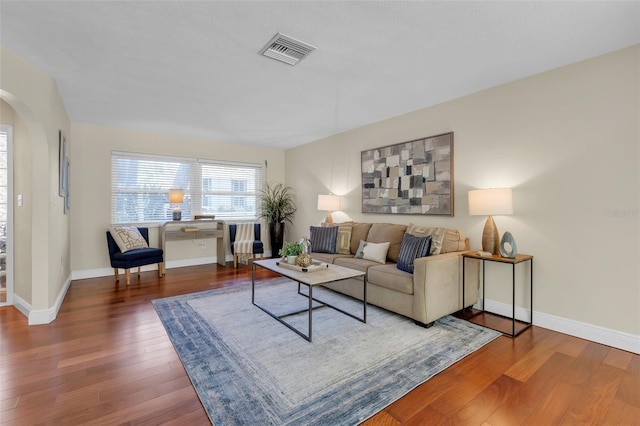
(522, 325)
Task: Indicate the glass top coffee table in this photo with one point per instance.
(324, 275)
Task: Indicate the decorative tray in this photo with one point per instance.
(316, 265)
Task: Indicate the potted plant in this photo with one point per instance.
(291, 251)
(277, 207)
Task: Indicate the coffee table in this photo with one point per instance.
(310, 279)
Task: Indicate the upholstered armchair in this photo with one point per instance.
(245, 241)
(137, 256)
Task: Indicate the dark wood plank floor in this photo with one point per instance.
(107, 360)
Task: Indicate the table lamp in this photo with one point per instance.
(490, 202)
(176, 196)
(328, 203)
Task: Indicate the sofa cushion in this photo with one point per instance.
(357, 264)
(389, 276)
(388, 232)
(328, 257)
(412, 247)
(359, 231)
(323, 239)
(128, 238)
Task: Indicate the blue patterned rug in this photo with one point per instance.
(248, 369)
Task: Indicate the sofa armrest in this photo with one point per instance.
(437, 282)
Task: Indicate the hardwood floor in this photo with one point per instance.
(106, 359)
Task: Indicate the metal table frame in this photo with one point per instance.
(496, 258)
(311, 308)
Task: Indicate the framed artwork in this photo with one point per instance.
(414, 177)
(62, 151)
(67, 176)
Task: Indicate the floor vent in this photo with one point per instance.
(286, 49)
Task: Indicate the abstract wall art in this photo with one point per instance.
(414, 177)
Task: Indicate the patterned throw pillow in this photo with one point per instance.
(323, 239)
(128, 238)
(412, 248)
(343, 242)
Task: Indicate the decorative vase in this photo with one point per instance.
(291, 260)
(303, 260)
(276, 236)
(511, 251)
(306, 245)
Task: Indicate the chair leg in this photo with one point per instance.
(139, 271)
(235, 260)
(127, 274)
(160, 269)
(115, 272)
(261, 256)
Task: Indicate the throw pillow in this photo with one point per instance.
(360, 250)
(343, 241)
(376, 252)
(323, 239)
(412, 248)
(128, 238)
(454, 240)
(437, 236)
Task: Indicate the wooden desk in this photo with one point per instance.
(176, 230)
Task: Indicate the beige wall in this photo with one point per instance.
(566, 141)
(91, 185)
(41, 228)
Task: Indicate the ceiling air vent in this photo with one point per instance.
(286, 49)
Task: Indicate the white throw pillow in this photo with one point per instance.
(376, 252)
(128, 238)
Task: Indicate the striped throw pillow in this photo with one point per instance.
(412, 248)
(323, 239)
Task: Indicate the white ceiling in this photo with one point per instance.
(191, 67)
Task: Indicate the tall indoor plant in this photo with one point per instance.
(277, 207)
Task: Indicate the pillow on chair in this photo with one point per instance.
(128, 238)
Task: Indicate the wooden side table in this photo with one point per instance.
(522, 325)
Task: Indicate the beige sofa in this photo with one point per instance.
(431, 292)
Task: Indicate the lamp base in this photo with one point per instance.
(177, 214)
(490, 237)
(329, 218)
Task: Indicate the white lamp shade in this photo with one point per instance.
(328, 203)
(176, 195)
(490, 202)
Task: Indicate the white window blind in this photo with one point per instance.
(140, 186)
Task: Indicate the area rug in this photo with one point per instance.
(248, 369)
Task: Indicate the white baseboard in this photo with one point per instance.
(41, 316)
(105, 272)
(617, 339)
(21, 305)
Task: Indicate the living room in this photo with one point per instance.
(564, 139)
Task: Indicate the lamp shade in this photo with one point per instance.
(490, 202)
(328, 203)
(176, 195)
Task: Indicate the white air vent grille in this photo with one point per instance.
(286, 49)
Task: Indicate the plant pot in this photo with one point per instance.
(276, 236)
(291, 260)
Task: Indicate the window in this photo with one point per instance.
(140, 188)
